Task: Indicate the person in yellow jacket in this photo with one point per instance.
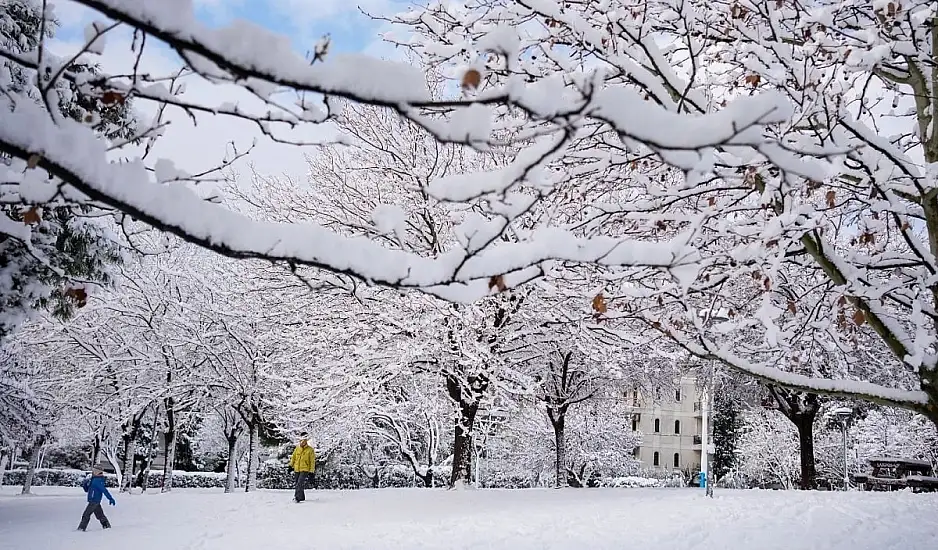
(303, 463)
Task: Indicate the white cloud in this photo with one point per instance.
(73, 16)
(195, 147)
(198, 146)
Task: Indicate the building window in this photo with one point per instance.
(634, 398)
(636, 418)
(677, 460)
(657, 425)
(677, 394)
(677, 427)
(636, 451)
(655, 461)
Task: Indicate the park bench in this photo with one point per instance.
(895, 474)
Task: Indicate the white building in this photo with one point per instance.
(671, 424)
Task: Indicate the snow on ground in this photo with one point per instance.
(594, 519)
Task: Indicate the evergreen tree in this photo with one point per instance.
(727, 427)
(50, 248)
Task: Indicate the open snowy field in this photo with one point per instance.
(650, 519)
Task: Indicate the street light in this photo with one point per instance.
(843, 416)
(706, 406)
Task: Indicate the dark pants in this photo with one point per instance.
(96, 509)
(299, 493)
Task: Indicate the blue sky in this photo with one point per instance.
(304, 21)
(196, 147)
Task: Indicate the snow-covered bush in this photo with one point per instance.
(67, 456)
(189, 480)
(53, 477)
(768, 450)
(733, 480)
(73, 478)
(634, 481)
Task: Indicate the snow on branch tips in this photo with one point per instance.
(540, 123)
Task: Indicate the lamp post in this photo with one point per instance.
(843, 416)
(706, 406)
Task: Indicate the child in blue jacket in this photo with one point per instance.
(96, 488)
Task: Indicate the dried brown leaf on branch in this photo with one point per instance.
(498, 282)
(32, 216)
(111, 97)
(753, 80)
(599, 303)
(33, 161)
(831, 198)
(792, 307)
(738, 12)
(859, 317)
(471, 79)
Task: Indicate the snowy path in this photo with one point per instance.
(595, 519)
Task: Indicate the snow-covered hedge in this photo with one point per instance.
(50, 476)
(73, 478)
(635, 481)
(277, 475)
(189, 480)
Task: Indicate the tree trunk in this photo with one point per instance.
(427, 478)
(805, 426)
(4, 457)
(110, 453)
(801, 409)
(95, 450)
(33, 463)
(231, 469)
(130, 452)
(148, 458)
(251, 483)
(930, 387)
(462, 445)
(560, 448)
(574, 478)
(169, 443)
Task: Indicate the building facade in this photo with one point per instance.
(671, 424)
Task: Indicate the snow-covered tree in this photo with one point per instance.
(410, 415)
(768, 449)
(389, 166)
(539, 119)
(854, 226)
(601, 442)
(50, 250)
(885, 432)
